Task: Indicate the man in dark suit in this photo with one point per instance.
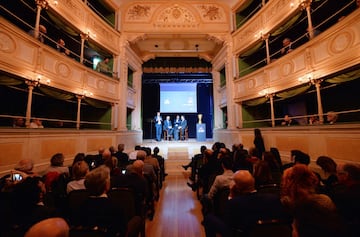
(168, 126)
(182, 127)
(158, 126)
(177, 122)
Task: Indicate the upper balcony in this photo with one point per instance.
(29, 59)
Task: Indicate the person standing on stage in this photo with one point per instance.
(158, 126)
(177, 122)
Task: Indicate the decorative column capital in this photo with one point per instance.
(84, 36)
(33, 83)
(305, 3)
(265, 36)
(43, 4)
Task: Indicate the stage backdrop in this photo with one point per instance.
(151, 104)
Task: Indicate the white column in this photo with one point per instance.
(84, 37)
(319, 103)
(79, 98)
(31, 85)
(271, 96)
(218, 121)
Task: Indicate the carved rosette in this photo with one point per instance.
(139, 12)
(63, 70)
(176, 16)
(7, 44)
(211, 12)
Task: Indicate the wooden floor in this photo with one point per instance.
(178, 211)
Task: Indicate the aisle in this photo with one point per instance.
(178, 212)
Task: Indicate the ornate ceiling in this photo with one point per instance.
(176, 28)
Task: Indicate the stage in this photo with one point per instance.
(178, 150)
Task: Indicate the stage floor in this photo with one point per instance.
(175, 149)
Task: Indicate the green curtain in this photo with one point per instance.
(293, 92)
(60, 95)
(253, 49)
(61, 24)
(255, 102)
(98, 49)
(244, 6)
(286, 26)
(349, 76)
(97, 103)
(9, 81)
(244, 68)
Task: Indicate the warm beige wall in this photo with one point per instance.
(341, 142)
(40, 145)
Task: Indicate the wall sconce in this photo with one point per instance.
(55, 3)
(267, 93)
(306, 78)
(87, 93)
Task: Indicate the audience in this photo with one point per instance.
(245, 208)
(331, 210)
(18, 123)
(259, 143)
(98, 210)
(123, 158)
(299, 183)
(79, 171)
(42, 33)
(36, 123)
(346, 196)
(223, 180)
(331, 117)
(287, 46)
(328, 178)
(297, 157)
(30, 207)
(288, 121)
(311, 219)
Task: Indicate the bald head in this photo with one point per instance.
(52, 227)
(243, 183)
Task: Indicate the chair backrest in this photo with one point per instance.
(275, 228)
(75, 199)
(220, 199)
(75, 232)
(124, 198)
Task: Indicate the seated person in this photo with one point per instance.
(195, 162)
(103, 214)
(134, 179)
(104, 66)
(30, 208)
(177, 122)
(42, 33)
(314, 120)
(287, 46)
(79, 171)
(288, 121)
(18, 123)
(36, 123)
(331, 117)
(182, 127)
(168, 126)
(245, 207)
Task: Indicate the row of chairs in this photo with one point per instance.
(183, 136)
(121, 197)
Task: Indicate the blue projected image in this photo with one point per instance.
(178, 98)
